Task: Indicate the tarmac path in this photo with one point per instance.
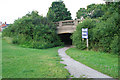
(77, 69)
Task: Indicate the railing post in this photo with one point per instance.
(75, 22)
(60, 23)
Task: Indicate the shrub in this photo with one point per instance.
(77, 35)
(103, 32)
(115, 45)
(33, 31)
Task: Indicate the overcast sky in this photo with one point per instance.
(11, 10)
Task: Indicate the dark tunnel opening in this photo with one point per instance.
(65, 38)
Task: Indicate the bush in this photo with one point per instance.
(33, 31)
(115, 45)
(77, 35)
(103, 32)
(101, 35)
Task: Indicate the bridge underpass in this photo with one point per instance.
(65, 38)
(65, 30)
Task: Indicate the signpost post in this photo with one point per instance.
(85, 35)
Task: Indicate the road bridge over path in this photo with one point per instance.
(65, 30)
(67, 26)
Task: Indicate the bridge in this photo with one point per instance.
(67, 26)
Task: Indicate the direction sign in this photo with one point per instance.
(85, 33)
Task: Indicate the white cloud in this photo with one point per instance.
(13, 9)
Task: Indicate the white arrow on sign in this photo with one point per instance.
(84, 29)
(85, 33)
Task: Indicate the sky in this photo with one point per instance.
(11, 10)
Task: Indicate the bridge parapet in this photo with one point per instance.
(67, 26)
(67, 22)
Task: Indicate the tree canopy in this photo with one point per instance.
(81, 12)
(92, 11)
(58, 12)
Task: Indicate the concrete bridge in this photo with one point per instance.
(67, 26)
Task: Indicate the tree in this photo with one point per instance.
(58, 12)
(95, 11)
(92, 11)
(90, 8)
(81, 12)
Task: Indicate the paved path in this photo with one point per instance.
(77, 69)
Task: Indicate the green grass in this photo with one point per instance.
(0, 34)
(103, 62)
(0, 55)
(21, 62)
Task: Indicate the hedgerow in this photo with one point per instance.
(33, 31)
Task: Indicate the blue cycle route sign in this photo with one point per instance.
(85, 33)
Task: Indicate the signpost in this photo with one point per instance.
(85, 35)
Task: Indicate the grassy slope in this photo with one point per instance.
(21, 62)
(105, 63)
(0, 34)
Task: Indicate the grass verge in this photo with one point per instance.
(0, 55)
(0, 34)
(103, 62)
(21, 62)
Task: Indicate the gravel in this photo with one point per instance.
(77, 69)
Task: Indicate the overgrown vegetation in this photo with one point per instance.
(103, 30)
(33, 31)
(36, 31)
(100, 61)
